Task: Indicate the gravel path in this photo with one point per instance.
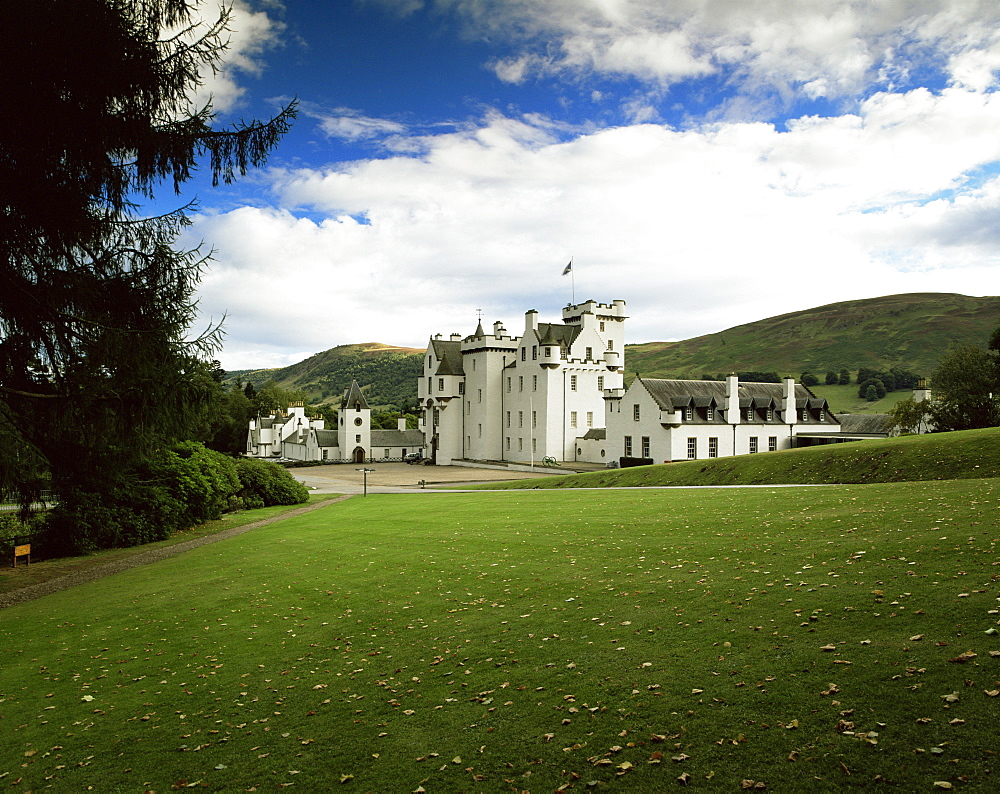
(90, 573)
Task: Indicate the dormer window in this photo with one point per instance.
(688, 413)
(710, 414)
(770, 414)
(749, 415)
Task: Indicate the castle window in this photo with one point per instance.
(770, 414)
(590, 354)
(461, 388)
(645, 446)
(611, 344)
(534, 418)
(508, 384)
(520, 418)
(572, 418)
(479, 395)
(534, 352)
(520, 382)
(692, 448)
(600, 383)
(479, 431)
(524, 354)
(710, 414)
(750, 415)
(753, 444)
(688, 413)
(440, 384)
(772, 444)
(548, 352)
(628, 446)
(635, 412)
(508, 418)
(590, 418)
(534, 383)
(602, 326)
(713, 447)
(572, 382)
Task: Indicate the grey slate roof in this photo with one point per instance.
(354, 397)
(672, 394)
(449, 355)
(397, 438)
(555, 334)
(327, 438)
(596, 434)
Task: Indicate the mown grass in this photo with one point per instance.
(44, 570)
(938, 456)
(830, 638)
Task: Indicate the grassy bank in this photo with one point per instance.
(836, 637)
(938, 456)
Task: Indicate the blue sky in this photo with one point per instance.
(710, 162)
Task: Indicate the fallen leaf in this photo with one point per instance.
(964, 657)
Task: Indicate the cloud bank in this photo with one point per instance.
(701, 226)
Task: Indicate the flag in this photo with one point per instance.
(568, 268)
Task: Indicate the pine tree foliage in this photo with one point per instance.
(97, 369)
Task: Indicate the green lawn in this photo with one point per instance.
(797, 637)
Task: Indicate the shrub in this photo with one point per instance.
(127, 515)
(185, 485)
(269, 483)
(200, 479)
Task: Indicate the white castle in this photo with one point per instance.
(521, 398)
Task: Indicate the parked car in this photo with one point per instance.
(412, 457)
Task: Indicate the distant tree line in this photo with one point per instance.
(965, 392)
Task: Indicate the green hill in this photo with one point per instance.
(387, 374)
(910, 331)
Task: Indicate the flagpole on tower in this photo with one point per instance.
(572, 276)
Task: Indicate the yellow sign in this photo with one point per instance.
(22, 551)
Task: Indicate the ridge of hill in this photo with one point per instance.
(386, 373)
(911, 331)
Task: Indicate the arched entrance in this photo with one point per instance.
(359, 455)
